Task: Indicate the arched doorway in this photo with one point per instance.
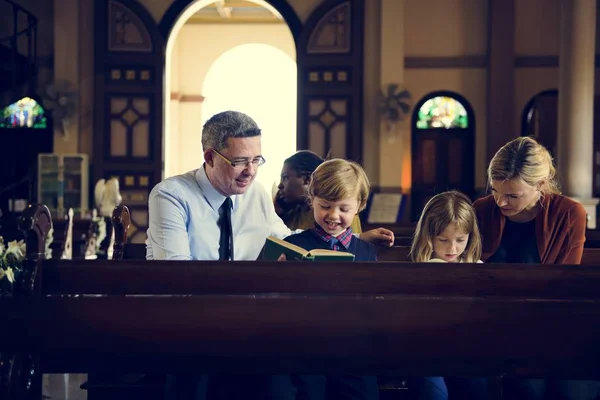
(271, 105)
(443, 148)
(330, 71)
(254, 62)
(129, 92)
(540, 119)
(193, 55)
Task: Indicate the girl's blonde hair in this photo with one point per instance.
(524, 158)
(337, 179)
(443, 209)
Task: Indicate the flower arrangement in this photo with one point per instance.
(11, 261)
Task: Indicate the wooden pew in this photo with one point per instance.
(360, 318)
(404, 232)
(401, 254)
(122, 250)
(266, 317)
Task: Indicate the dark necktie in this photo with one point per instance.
(334, 243)
(225, 241)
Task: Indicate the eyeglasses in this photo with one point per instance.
(243, 163)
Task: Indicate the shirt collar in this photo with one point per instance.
(214, 198)
(345, 238)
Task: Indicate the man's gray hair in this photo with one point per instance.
(225, 125)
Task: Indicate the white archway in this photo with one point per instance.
(193, 55)
(265, 91)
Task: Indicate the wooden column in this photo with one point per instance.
(575, 139)
(501, 75)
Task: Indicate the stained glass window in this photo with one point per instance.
(25, 113)
(442, 112)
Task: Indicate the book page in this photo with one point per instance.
(332, 253)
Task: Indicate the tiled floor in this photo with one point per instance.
(64, 386)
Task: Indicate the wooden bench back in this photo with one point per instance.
(591, 256)
(403, 318)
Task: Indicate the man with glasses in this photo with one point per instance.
(186, 211)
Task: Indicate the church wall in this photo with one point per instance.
(537, 27)
(436, 32)
(445, 28)
(439, 34)
(196, 51)
(537, 35)
(537, 41)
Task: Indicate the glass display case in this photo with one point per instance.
(63, 183)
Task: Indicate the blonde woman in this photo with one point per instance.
(527, 220)
(447, 231)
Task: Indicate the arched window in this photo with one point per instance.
(25, 113)
(442, 112)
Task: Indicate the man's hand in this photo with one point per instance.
(282, 257)
(379, 237)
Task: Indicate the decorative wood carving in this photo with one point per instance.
(327, 127)
(126, 31)
(121, 220)
(129, 127)
(332, 33)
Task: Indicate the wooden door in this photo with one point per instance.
(443, 148)
(330, 80)
(443, 160)
(129, 60)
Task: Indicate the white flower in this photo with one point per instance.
(101, 233)
(10, 275)
(49, 240)
(17, 249)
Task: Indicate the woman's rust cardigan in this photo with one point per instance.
(559, 228)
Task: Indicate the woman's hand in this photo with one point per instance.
(379, 237)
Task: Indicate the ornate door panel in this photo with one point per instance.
(330, 79)
(443, 148)
(129, 58)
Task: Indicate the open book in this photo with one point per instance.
(275, 247)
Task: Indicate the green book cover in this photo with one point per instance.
(275, 247)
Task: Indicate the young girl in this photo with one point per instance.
(447, 231)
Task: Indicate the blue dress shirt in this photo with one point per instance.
(183, 213)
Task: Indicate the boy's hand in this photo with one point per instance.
(282, 257)
(379, 237)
